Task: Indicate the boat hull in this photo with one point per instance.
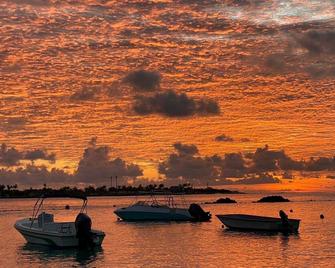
(41, 237)
(258, 223)
(153, 214)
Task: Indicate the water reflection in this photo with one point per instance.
(250, 233)
(30, 253)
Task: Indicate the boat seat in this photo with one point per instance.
(44, 218)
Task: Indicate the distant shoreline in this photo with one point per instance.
(12, 192)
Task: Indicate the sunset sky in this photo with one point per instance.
(176, 91)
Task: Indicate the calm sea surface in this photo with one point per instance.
(180, 244)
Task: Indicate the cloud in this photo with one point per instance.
(317, 42)
(142, 80)
(34, 175)
(96, 166)
(9, 156)
(186, 149)
(173, 104)
(16, 121)
(276, 62)
(13, 124)
(13, 157)
(264, 159)
(320, 164)
(38, 3)
(84, 94)
(40, 154)
(186, 166)
(224, 137)
(311, 52)
(232, 165)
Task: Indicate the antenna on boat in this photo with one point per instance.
(116, 182)
(111, 181)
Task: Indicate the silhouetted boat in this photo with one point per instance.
(152, 210)
(41, 228)
(259, 223)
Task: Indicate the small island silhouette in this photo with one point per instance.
(272, 199)
(222, 200)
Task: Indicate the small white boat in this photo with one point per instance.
(259, 223)
(155, 211)
(42, 229)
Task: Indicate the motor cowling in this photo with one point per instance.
(198, 213)
(83, 224)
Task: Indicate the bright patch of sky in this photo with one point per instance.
(280, 12)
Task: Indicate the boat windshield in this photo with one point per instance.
(163, 200)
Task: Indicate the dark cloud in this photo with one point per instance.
(9, 156)
(143, 80)
(182, 167)
(232, 165)
(317, 42)
(16, 121)
(276, 62)
(34, 175)
(320, 164)
(40, 154)
(13, 157)
(224, 137)
(185, 148)
(96, 166)
(311, 52)
(173, 104)
(13, 123)
(236, 168)
(84, 94)
(38, 3)
(187, 168)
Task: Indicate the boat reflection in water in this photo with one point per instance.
(166, 210)
(32, 253)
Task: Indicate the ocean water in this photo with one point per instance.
(179, 244)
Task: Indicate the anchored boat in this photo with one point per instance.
(152, 210)
(42, 229)
(260, 223)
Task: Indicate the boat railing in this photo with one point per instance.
(39, 204)
(163, 197)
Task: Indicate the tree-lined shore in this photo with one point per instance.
(13, 191)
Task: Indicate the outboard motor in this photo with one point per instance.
(284, 220)
(198, 213)
(83, 225)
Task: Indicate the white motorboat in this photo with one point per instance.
(152, 210)
(260, 223)
(42, 229)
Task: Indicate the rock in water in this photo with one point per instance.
(272, 199)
